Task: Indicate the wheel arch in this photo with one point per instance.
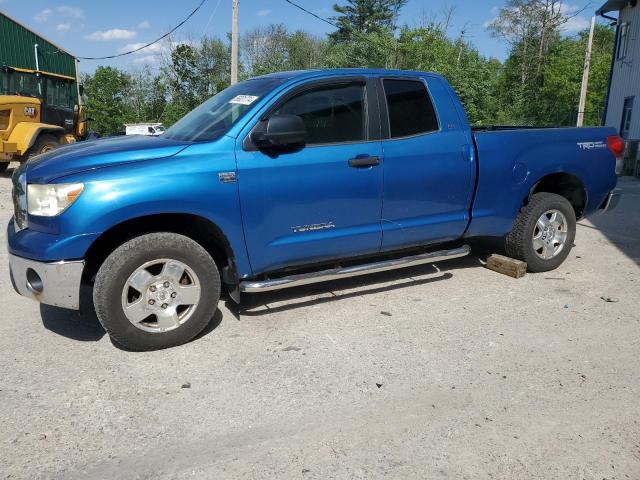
(25, 134)
(200, 229)
(564, 184)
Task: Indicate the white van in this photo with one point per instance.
(154, 129)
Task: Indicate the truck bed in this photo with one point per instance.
(512, 160)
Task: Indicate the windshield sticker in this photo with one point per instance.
(243, 99)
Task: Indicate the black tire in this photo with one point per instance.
(44, 143)
(519, 242)
(4, 166)
(117, 269)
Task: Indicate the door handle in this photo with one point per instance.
(364, 162)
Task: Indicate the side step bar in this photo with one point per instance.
(353, 271)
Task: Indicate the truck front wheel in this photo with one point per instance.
(156, 291)
(543, 232)
(43, 144)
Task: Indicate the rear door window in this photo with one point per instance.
(410, 109)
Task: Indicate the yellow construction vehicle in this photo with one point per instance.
(41, 107)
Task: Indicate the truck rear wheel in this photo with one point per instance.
(543, 232)
(156, 291)
(43, 144)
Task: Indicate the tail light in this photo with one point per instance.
(616, 145)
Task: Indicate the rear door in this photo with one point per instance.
(428, 163)
(322, 201)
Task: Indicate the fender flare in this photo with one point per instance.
(24, 134)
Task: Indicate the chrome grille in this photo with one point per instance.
(19, 196)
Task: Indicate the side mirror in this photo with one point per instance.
(280, 131)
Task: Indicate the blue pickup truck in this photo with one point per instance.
(288, 179)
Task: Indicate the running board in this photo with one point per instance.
(353, 271)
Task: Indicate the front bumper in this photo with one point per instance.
(53, 283)
(7, 150)
(612, 200)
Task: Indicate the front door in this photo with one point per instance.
(322, 201)
(58, 104)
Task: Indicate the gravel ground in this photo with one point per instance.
(456, 372)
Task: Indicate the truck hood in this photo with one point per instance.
(91, 155)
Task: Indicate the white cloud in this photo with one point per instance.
(143, 25)
(155, 48)
(43, 15)
(61, 11)
(146, 59)
(71, 12)
(113, 34)
(576, 24)
(263, 13)
(63, 27)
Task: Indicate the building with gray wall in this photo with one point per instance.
(623, 99)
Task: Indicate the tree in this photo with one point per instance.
(107, 103)
(272, 48)
(538, 84)
(532, 29)
(213, 65)
(305, 51)
(560, 93)
(365, 16)
(147, 96)
(264, 49)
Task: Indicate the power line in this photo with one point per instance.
(210, 18)
(150, 43)
(312, 14)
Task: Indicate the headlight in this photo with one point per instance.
(53, 199)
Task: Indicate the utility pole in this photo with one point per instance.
(234, 44)
(585, 75)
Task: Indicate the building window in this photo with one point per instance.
(625, 125)
(623, 41)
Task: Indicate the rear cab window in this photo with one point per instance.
(409, 107)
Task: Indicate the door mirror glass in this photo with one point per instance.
(280, 131)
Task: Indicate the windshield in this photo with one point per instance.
(217, 115)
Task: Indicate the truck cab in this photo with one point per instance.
(38, 112)
(153, 129)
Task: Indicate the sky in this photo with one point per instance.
(93, 28)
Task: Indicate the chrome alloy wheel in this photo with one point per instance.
(161, 295)
(550, 234)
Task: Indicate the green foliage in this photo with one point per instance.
(538, 84)
(359, 17)
(107, 103)
(563, 77)
(541, 78)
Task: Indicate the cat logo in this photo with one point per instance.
(30, 111)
